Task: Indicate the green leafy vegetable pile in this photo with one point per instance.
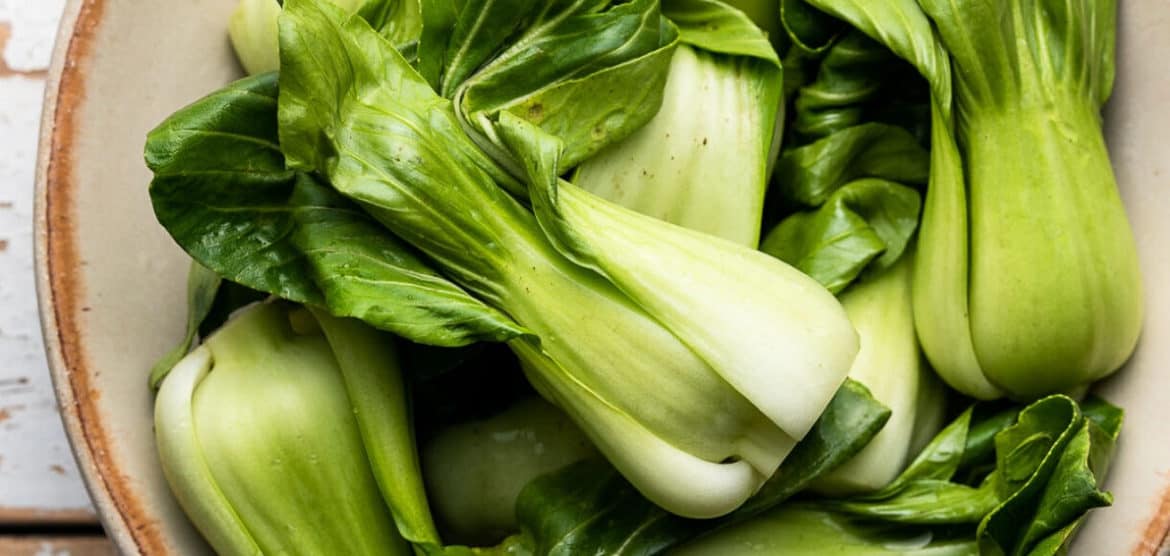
(728, 243)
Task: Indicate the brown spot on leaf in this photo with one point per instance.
(536, 112)
(5, 71)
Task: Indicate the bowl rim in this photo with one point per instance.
(58, 284)
(58, 287)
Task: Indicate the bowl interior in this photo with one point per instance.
(111, 282)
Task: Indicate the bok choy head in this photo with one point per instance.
(1055, 292)
(1027, 280)
(287, 432)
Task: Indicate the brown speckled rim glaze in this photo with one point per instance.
(59, 291)
(59, 285)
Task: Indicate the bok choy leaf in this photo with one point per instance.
(1049, 462)
(587, 71)
(222, 189)
(866, 224)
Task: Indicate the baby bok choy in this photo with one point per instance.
(1027, 280)
(694, 390)
(287, 431)
(1054, 293)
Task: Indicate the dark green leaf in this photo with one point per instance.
(810, 30)
(901, 26)
(1046, 504)
(866, 221)
(588, 508)
(857, 81)
(923, 493)
(221, 189)
(1037, 519)
(482, 30)
(558, 47)
(943, 327)
(594, 111)
(716, 27)
(1107, 419)
(851, 74)
(438, 18)
(988, 421)
(1056, 543)
(587, 71)
(400, 21)
(1070, 492)
(367, 273)
(939, 461)
(810, 174)
(845, 427)
(926, 502)
(1041, 430)
(1042, 484)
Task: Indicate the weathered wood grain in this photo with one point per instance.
(56, 546)
(39, 482)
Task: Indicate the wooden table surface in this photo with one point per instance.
(44, 508)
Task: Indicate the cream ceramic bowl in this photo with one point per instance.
(111, 281)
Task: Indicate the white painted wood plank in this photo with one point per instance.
(39, 480)
(56, 546)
